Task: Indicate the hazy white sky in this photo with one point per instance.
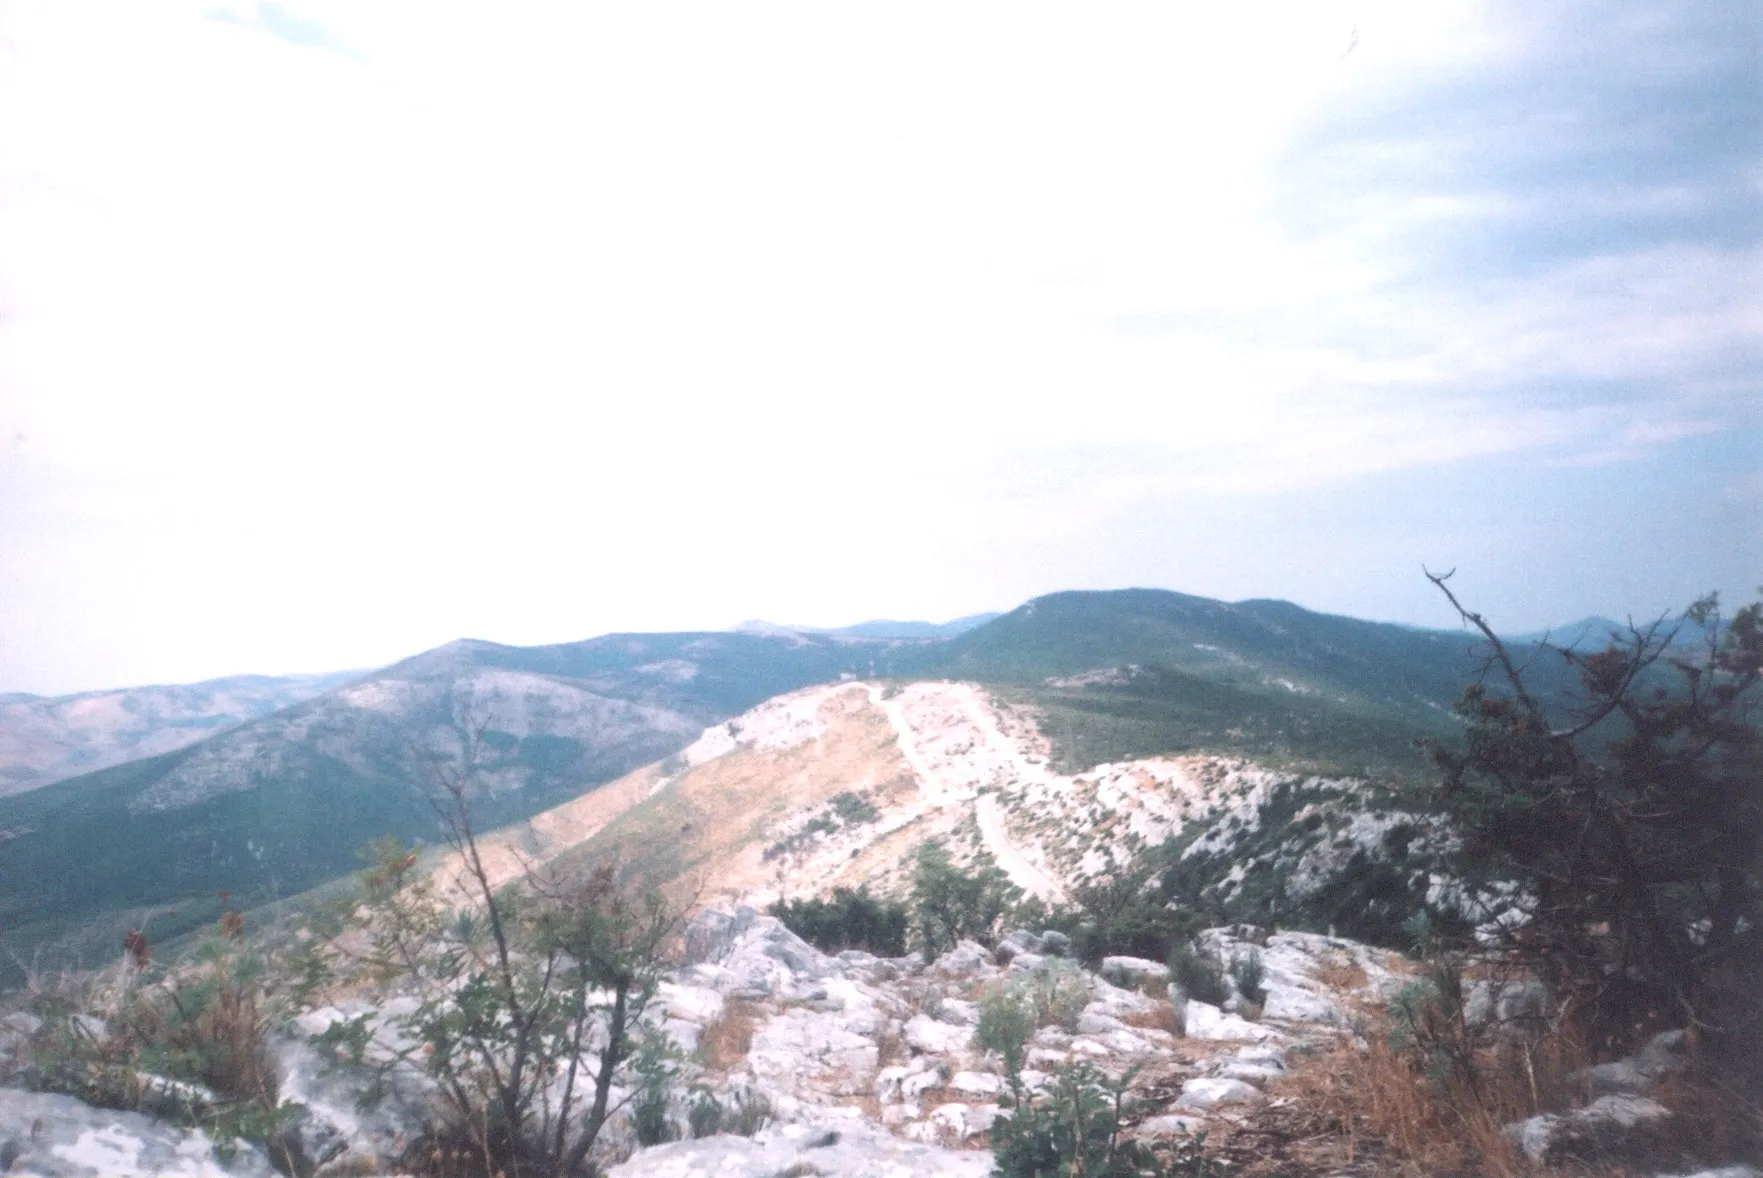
(330, 331)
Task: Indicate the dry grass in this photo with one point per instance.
(1382, 1105)
(1159, 1018)
(1341, 974)
(890, 1046)
(729, 1036)
(1718, 1120)
(1379, 1107)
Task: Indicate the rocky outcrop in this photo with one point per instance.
(49, 1136)
(1608, 1124)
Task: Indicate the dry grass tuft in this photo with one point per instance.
(1718, 1120)
(729, 1036)
(1159, 1018)
(1341, 974)
(1381, 1102)
(890, 1046)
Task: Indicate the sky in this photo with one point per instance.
(332, 330)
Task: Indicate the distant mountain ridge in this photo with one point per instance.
(877, 628)
(48, 738)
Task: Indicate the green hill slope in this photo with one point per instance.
(1135, 672)
(282, 803)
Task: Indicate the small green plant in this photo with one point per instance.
(656, 1066)
(1074, 1130)
(1427, 1023)
(1006, 1023)
(1059, 993)
(751, 1112)
(1013, 1009)
(704, 1118)
(1250, 974)
(1198, 974)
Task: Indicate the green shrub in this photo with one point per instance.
(751, 1113)
(1073, 1130)
(1012, 1009)
(1199, 974)
(187, 1043)
(704, 1118)
(851, 919)
(1006, 1024)
(1058, 993)
(656, 1066)
(1249, 973)
(952, 905)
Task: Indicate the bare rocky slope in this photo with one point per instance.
(761, 807)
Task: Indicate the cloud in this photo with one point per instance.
(1591, 128)
(280, 21)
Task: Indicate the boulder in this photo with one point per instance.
(1211, 1092)
(767, 960)
(839, 1051)
(1640, 1073)
(1171, 1125)
(976, 1083)
(1299, 1004)
(965, 958)
(23, 1022)
(329, 1092)
(1020, 941)
(1607, 1123)
(1205, 1021)
(926, 1034)
(60, 1137)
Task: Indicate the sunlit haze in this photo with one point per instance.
(332, 331)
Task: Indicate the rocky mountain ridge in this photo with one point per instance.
(835, 786)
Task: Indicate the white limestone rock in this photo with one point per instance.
(966, 958)
(977, 1083)
(925, 1034)
(854, 1151)
(1202, 1020)
(1209, 1092)
(1640, 1073)
(60, 1137)
(1604, 1124)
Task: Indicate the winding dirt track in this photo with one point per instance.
(940, 789)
